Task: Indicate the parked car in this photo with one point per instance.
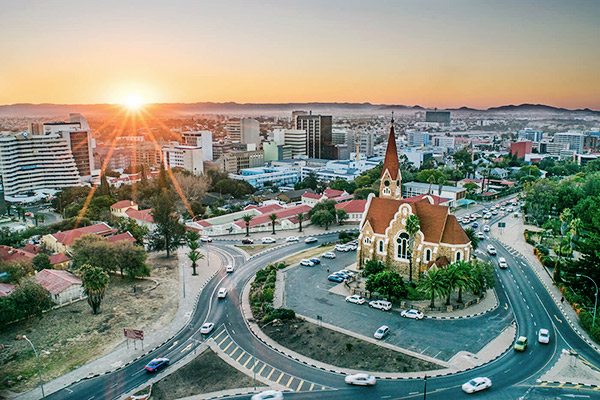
(521, 343)
(474, 224)
(491, 250)
(342, 274)
(207, 328)
(347, 272)
(486, 228)
(356, 299)
(156, 364)
(477, 384)
(307, 263)
(544, 336)
(291, 239)
(315, 261)
(381, 305)
(351, 247)
(311, 239)
(360, 379)
(480, 235)
(465, 221)
(502, 263)
(342, 247)
(268, 395)
(495, 212)
(206, 239)
(487, 216)
(335, 278)
(229, 269)
(268, 240)
(247, 241)
(222, 293)
(412, 314)
(329, 254)
(382, 332)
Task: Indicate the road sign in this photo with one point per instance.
(501, 224)
(133, 334)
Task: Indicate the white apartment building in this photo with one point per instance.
(294, 138)
(29, 163)
(200, 139)
(443, 141)
(366, 143)
(573, 139)
(186, 157)
(244, 130)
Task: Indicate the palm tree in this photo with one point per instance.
(431, 180)
(412, 227)
(464, 269)
(194, 255)
(95, 282)
(300, 219)
(247, 218)
(42, 218)
(454, 279)
(433, 284)
(273, 218)
(440, 181)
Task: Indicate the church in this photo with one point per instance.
(383, 233)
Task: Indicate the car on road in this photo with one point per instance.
(480, 235)
(509, 209)
(268, 240)
(521, 343)
(487, 216)
(356, 299)
(502, 263)
(268, 395)
(477, 384)
(329, 255)
(412, 314)
(222, 293)
(247, 241)
(360, 379)
(491, 250)
(495, 212)
(352, 246)
(315, 261)
(486, 228)
(207, 328)
(382, 332)
(307, 263)
(474, 225)
(206, 239)
(156, 364)
(342, 247)
(381, 305)
(291, 239)
(229, 269)
(335, 278)
(311, 239)
(465, 221)
(544, 336)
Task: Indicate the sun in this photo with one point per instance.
(133, 101)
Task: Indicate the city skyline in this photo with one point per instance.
(434, 54)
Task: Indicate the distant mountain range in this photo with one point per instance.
(230, 108)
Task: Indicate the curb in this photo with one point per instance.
(572, 383)
(495, 306)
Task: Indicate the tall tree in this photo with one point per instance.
(322, 218)
(104, 188)
(41, 261)
(472, 235)
(247, 218)
(388, 283)
(432, 284)
(169, 231)
(463, 269)
(300, 219)
(194, 255)
(130, 259)
(412, 227)
(342, 215)
(454, 279)
(95, 282)
(273, 218)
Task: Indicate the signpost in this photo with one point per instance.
(502, 225)
(134, 334)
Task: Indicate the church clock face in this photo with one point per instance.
(387, 183)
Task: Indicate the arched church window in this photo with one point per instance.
(458, 255)
(380, 246)
(427, 255)
(386, 191)
(402, 245)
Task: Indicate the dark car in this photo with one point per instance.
(474, 225)
(247, 241)
(315, 260)
(335, 278)
(156, 364)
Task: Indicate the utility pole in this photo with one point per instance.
(39, 365)
(425, 388)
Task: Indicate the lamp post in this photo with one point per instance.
(39, 365)
(596, 301)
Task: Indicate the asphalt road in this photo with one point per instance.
(513, 374)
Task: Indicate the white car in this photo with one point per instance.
(342, 247)
(268, 395)
(207, 328)
(487, 216)
(382, 332)
(486, 228)
(351, 247)
(329, 254)
(491, 250)
(356, 299)
(360, 379)
(381, 305)
(307, 263)
(346, 272)
(311, 239)
(222, 293)
(206, 239)
(544, 336)
(502, 263)
(229, 269)
(291, 239)
(480, 235)
(412, 314)
(477, 384)
(268, 240)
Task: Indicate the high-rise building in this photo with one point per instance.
(574, 140)
(339, 136)
(418, 138)
(33, 162)
(186, 157)
(441, 117)
(531, 134)
(294, 138)
(243, 130)
(318, 135)
(234, 161)
(147, 153)
(200, 139)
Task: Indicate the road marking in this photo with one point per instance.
(173, 345)
(544, 383)
(506, 306)
(261, 370)
(312, 385)
(561, 385)
(289, 382)
(271, 373)
(531, 315)
(300, 386)
(229, 345)
(224, 339)
(278, 379)
(140, 371)
(234, 350)
(91, 397)
(222, 332)
(558, 319)
(507, 370)
(186, 348)
(115, 385)
(240, 356)
(247, 361)
(577, 386)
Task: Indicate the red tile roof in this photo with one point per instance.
(352, 206)
(6, 289)
(55, 281)
(268, 208)
(68, 237)
(32, 248)
(312, 196)
(121, 236)
(9, 254)
(436, 199)
(281, 214)
(332, 193)
(58, 258)
(123, 204)
(390, 162)
(142, 215)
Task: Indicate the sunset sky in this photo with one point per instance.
(444, 53)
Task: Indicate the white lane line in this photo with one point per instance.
(91, 398)
(531, 315)
(68, 390)
(115, 385)
(140, 371)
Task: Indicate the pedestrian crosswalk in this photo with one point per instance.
(247, 360)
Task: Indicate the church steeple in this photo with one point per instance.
(391, 178)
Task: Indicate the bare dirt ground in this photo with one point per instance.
(341, 350)
(252, 249)
(71, 336)
(206, 373)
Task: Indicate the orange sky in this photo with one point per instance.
(432, 53)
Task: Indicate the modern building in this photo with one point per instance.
(244, 130)
(521, 148)
(419, 139)
(267, 176)
(318, 135)
(339, 136)
(417, 156)
(186, 157)
(201, 139)
(443, 141)
(452, 193)
(276, 152)
(294, 138)
(365, 140)
(574, 140)
(234, 161)
(531, 134)
(583, 159)
(331, 170)
(440, 117)
(147, 153)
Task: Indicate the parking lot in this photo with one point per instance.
(307, 292)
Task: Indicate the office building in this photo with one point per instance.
(339, 136)
(443, 141)
(530, 134)
(32, 162)
(440, 117)
(366, 143)
(276, 152)
(244, 130)
(452, 193)
(521, 148)
(554, 148)
(147, 153)
(294, 138)
(318, 135)
(267, 176)
(574, 140)
(418, 139)
(200, 139)
(417, 156)
(186, 157)
(234, 161)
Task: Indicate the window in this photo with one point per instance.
(427, 255)
(402, 247)
(458, 256)
(380, 246)
(367, 240)
(386, 191)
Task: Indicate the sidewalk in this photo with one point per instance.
(512, 237)
(123, 355)
(280, 235)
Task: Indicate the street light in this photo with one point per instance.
(39, 366)
(596, 301)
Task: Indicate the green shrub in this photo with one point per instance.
(542, 249)
(349, 346)
(343, 235)
(267, 295)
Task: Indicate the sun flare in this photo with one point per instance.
(133, 101)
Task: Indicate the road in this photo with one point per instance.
(513, 374)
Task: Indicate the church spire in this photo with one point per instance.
(390, 173)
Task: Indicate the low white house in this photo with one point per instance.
(63, 286)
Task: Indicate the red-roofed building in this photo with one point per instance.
(121, 236)
(64, 287)
(120, 207)
(354, 208)
(142, 217)
(334, 194)
(9, 254)
(266, 209)
(60, 261)
(60, 242)
(286, 219)
(6, 289)
(432, 199)
(310, 199)
(32, 248)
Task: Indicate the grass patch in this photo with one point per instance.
(206, 373)
(296, 258)
(254, 248)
